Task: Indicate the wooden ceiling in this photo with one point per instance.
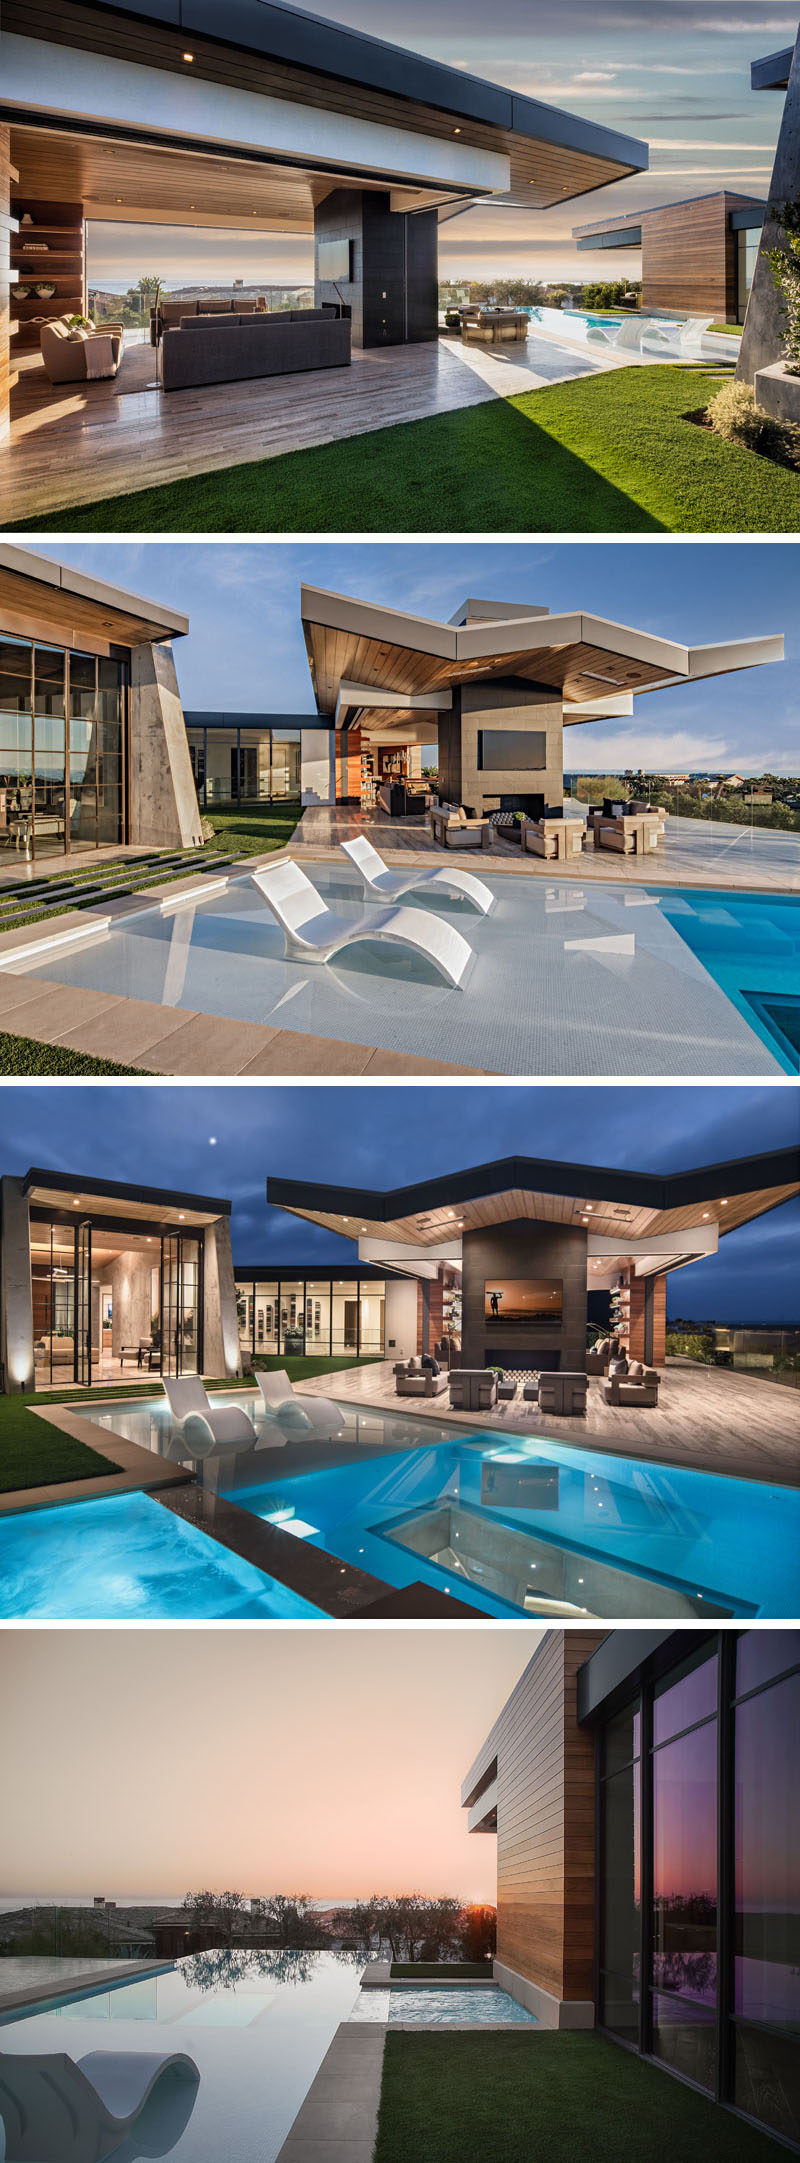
(608, 1220)
(334, 654)
(542, 173)
(91, 1203)
(31, 608)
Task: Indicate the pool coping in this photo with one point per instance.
(42, 1994)
(184, 1040)
(338, 2118)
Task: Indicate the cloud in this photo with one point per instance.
(676, 752)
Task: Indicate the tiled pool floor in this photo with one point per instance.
(565, 980)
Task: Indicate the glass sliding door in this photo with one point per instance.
(62, 749)
(83, 1303)
(49, 750)
(766, 1934)
(620, 1876)
(16, 747)
(181, 1304)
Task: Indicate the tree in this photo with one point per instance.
(215, 1911)
(413, 1926)
(479, 1933)
(289, 1914)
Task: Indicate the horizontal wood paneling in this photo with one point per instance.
(7, 233)
(545, 1822)
(689, 257)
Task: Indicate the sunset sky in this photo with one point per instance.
(674, 74)
(320, 1761)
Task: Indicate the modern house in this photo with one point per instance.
(764, 330)
(506, 1264)
(93, 747)
(513, 1259)
(274, 119)
(698, 256)
(641, 1787)
(495, 687)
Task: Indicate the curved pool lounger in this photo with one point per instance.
(203, 1426)
(313, 932)
(300, 1415)
(380, 880)
(57, 2109)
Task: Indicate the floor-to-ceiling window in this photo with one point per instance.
(311, 1316)
(698, 1949)
(62, 749)
(236, 764)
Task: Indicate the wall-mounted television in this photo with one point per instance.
(522, 1302)
(512, 750)
(334, 261)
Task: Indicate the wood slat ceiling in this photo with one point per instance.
(34, 609)
(336, 654)
(106, 1205)
(607, 1220)
(541, 173)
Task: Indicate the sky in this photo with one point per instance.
(245, 650)
(225, 1140)
(231, 1794)
(672, 73)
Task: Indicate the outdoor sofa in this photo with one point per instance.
(472, 1389)
(562, 1392)
(553, 836)
(233, 348)
(170, 313)
(629, 1382)
(452, 828)
(494, 326)
(412, 1378)
(599, 1355)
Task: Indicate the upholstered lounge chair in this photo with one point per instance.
(313, 932)
(380, 880)
(411, 1379)
(452, 828)
(639, 1386)
(563, 1393)
(66, 353)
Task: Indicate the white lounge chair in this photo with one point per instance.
(204, 1427)
(313, 932)
(298, 1415)
(692, 332)
(57, 2109)
(380, 880)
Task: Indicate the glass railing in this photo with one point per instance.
(766, 802)
(772, 1354)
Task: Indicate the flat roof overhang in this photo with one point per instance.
(359, 644)
(549, 155)
(296, 1272)
(33, 586)
(615, 1205)
(623, 1661)
(772, 73)
(626, 230)
(65, 1193)
(258, 722)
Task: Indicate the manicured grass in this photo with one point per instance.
(34, 1455)
(546, 2098)
(253, 829)
(468, 1970)
(300, 1370)
(609, 453)
(22, 1055)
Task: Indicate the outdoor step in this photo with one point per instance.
(75, 896)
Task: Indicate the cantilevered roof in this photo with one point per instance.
(77, 1196)
(773, 72)
(291, 54)
(625, 229)
(33, 585)
(360, 646)
(627, 1205)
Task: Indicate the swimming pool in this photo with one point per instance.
(750, 945)
(428, 2007)
(551, 1531)
(565, 979)
(125, 1557)
(148, 1422)
(257, 2025)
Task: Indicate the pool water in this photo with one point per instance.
(428, 2007)
(750, 945)
(148, 1422)
(551, 1531)
(127, 1558)
(258, 2026)
(564, 979)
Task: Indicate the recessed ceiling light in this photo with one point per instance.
(77, 1202)
(456, 131)
(188, 57)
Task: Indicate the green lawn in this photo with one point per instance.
(300, 1370)
(253, 829)
(22, 1055)
(546, 2099)
(33, 1455)
(611, 453)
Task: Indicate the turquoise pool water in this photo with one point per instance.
(750, 945)
(257, 2025)
(551, 1531)
(428, 2007)
(126, 1558)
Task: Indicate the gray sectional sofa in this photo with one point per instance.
(230, 348)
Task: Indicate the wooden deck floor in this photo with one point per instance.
(707, 1419)
(76, 443)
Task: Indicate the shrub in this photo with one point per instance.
(784, 264)
(733, 413)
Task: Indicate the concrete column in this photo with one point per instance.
(764, 326)
(16, 1302)
(221, 1353)
(129, 1278)
(164, 808)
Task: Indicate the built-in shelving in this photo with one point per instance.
(57, 259)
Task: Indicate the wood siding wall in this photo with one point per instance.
(525, 1248)
(7, 227)
(689, 257)
(435, 1294)
(545, 1824)
(348, 766)
(637, 1322)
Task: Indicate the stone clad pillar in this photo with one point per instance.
(164, 808)
(764, 329)
(221, 1354)
(16, 1301)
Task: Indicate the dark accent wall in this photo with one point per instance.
(526, 1247)
(393, 294)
